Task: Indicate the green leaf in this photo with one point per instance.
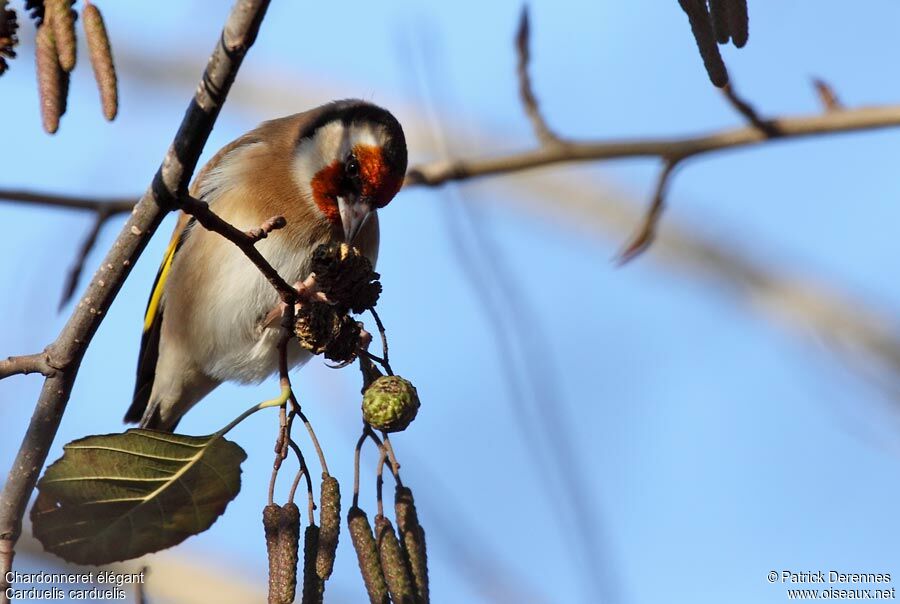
(119, 496)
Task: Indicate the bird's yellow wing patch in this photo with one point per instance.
(159, 285)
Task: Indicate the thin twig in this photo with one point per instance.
(110, 205)
(827, 96)
(379, 480)
(750, 113)
(647, 232)
(312, 434)
(25, 364)
(102, 215)
(303, 471)
(392, 457)
(385, 360)
(285, 421)
(261, 232)
(356, 452)
(526, 92)
(391, 461)
(246, 241)
(280, 446)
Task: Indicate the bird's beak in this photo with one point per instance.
(354, 214)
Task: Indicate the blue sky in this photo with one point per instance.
(711, 446)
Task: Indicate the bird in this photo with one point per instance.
(327, 171)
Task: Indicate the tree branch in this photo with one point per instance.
(111, 205)
(87, 245)
(749, 112)
(526, 92)
(647, 232)
(246, 241)
(23, 365)
(846, 120)
(163, 195)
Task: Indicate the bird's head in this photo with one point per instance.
(351, 158)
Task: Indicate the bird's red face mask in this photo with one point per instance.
(348, 191)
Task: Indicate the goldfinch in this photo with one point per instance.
(327, 172)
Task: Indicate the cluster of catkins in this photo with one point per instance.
(282, 528)
(55, 54)
(394, 568)
(347, 279)
(715, 21)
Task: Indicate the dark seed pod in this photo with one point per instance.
(345, 344)
(61, 16)
(738, 22)
(53, 82)
(330, 519)
(367, 555)
(9, 26)
(412, 541)
(316, 325)
(396, 572)
(346, 276)
(313, 585)
(101, 60)
(282, 529)
(701, 26)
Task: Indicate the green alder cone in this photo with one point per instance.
(390, 404)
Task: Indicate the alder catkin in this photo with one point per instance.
(53, 82)
(412, 541)
(282, 529)
(738, 21)
(313, 585)
(330, 521)
(718, 13)
(101, 60)
(367, 555)
(396, 572)
(702, 28)
(62, 18)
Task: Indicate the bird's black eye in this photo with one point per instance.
(352, 166)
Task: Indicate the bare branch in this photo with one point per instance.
(523, 37)
(110, 205)
(749, 112)
(272, 224)
(23, 365)
(245, 241)
(647, 232)
(847, 120)
(826, 94)
(78, 265)
(169, 183)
